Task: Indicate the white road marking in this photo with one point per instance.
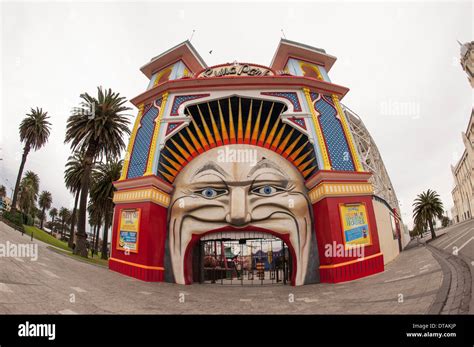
(460, 237)
(145, 293)
(450, 237)
(67, 311)
(425, 268)
(306, 299)
(49, 273)
(245, 300)
(4, 288)
(399, 278)
(465, 243)
(20, 260)
(42, 264)
(79, 290)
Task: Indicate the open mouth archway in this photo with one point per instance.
(240, 258)
(250, 178)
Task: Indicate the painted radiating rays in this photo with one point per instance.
(236, 120)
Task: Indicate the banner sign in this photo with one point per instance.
(236, 70)
(129, 227)
(355, 225)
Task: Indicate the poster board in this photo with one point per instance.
(355, 225)
(128, 230)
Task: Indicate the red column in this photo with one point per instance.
(329, 231)
(148, 262)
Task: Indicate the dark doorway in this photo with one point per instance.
(250, 259)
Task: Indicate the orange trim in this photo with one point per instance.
(350, 262)
(138, 265)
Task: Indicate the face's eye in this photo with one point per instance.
(266, 190)
(211, 193)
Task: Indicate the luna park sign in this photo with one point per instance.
(236, 70)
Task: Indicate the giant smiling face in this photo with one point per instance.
(266, 192)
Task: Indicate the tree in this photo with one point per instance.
(45, 200)
(72, 177)
(102, 192)
(95, 221)
(96, 127)
(53, 213)
(445, 221)
(29, 187)
(34, 133)
(64, 214)
(427, 207)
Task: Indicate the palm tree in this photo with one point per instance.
(3, 193)
(98, 134)
(34, 132)
(53, 213)
(72, 178)
(29, 187)
(428, 207)
(45, 200)
(102, 192)
(65, 214)
(95, 221)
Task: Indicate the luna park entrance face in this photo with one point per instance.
(248, 258)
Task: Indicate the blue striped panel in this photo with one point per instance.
(338, 149)
(143, 138)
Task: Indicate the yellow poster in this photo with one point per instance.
(355, 226)
(129, 227)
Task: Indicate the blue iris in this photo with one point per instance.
(266, 190)
(209, 193)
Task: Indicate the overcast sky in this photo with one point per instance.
(389, 55)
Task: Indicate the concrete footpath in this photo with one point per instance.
(58, 284)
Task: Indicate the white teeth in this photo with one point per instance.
(237, 235)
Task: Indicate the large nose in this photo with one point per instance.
(238, 214)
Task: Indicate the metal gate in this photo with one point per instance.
(249, 259)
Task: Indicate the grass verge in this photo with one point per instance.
(41, 235)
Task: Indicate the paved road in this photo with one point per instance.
(455, 245)
(457, 239)
(56, 283)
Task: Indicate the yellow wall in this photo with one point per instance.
(388, 246)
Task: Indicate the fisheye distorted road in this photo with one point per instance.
(59, 284)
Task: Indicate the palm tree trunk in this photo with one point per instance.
(73, 221)
(93, 236)
(433, 234)
(42, 217)
(97, 238)
(81, 248)
(26, 150)
(105, 237)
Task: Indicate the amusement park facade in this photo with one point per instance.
(247, 173)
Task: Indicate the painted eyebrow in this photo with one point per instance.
(212, 166)
(264, 163)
